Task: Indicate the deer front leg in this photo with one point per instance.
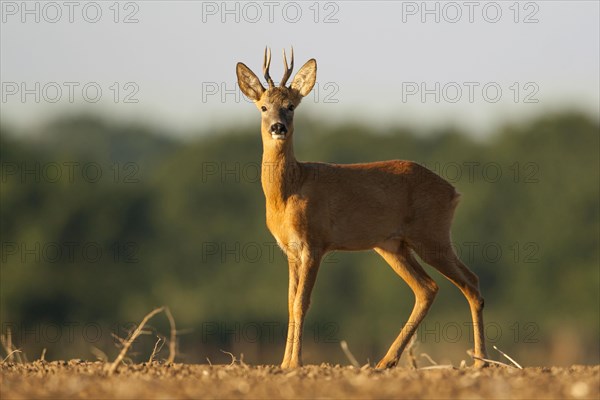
(307, 275)
(292, 287)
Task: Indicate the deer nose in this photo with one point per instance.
(278, 129)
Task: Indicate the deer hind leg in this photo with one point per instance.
(442, 257)
(404, 264)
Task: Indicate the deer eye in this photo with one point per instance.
(263, 108)
(291, 107)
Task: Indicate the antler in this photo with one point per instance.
(288, 71)
(266, 64)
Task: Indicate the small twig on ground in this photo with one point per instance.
(233, 359)
(508, 357)
(209, 363)
(100, 355)
(173, 340)
(412, 344)
(349, 354)
(119, 339)
(242, 363)
(6, 340)
(16, 351)
(470, 353)
(445, 366)
(43, 356)
(156, 348)
(425, 355)
(115, 364)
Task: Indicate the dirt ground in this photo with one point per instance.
(79, 379)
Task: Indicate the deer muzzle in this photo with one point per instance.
(278, 131)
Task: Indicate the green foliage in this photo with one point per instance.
(182, 224)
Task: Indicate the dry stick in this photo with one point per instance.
(43, 356)
(508, 357)
(119, 339)
(4, 338)
(17, 354)
(446, 366)
(155, 347)
(425, 355)
(6, 341)
(233, 359)
(100, 355)
(411, 355)
(5, 345)
(173, 340)
(10, 355)
(242, 363)
(489, 361)
(348, 354)
(112, 368)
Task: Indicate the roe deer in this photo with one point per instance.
(394, 207)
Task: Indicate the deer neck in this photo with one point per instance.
(280, 172)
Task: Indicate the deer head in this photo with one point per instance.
(277, 103)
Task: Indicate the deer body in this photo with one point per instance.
(396, 208)
(350, 217)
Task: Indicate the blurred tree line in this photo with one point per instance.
(101, 222)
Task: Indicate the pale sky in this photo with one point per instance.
(480, 64)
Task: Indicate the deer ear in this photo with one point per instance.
(305, 78)
(249, 82)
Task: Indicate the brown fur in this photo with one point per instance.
(394, 207)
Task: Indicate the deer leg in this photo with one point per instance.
(292, 287)
(424, 288)
(444, 259)
(307, 275)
